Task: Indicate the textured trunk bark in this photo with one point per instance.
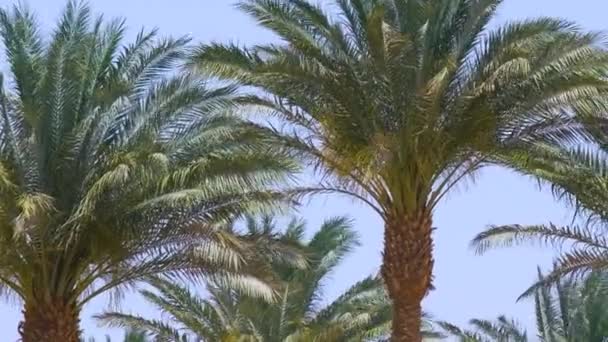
(407, 270)
(56, 321)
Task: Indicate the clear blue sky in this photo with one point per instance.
(467, 285)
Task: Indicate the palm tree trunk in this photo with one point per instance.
(54, 321)
(407, 270)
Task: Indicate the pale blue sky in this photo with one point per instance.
(467, 285)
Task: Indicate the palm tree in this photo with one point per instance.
(362, 313)
(299, 314)
(569, 311)
(114, 168)
(398, 101)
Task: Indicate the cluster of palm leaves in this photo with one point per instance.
(121, 164)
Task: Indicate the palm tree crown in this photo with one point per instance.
(112, 167)
(398, 100)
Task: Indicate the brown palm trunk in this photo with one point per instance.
(54, 321)
(407, 270)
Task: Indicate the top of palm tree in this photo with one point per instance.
(401, 99)
(113, 167)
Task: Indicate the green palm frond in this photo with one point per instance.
(500, 330)
(160, 330)
(507, 236)
(462, 335)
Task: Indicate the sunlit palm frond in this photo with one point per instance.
(507, 236)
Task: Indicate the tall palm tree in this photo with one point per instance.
(362, 313)
(114, 168)
(569, 311)
(398, 101)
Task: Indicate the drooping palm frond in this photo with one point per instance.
(114, 168)
(159, 330)
(578, 176)
(461, 334)
(500, 330)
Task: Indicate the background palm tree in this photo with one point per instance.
(398, 101)
(569, 311)
(362, 313)
(112, 168)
